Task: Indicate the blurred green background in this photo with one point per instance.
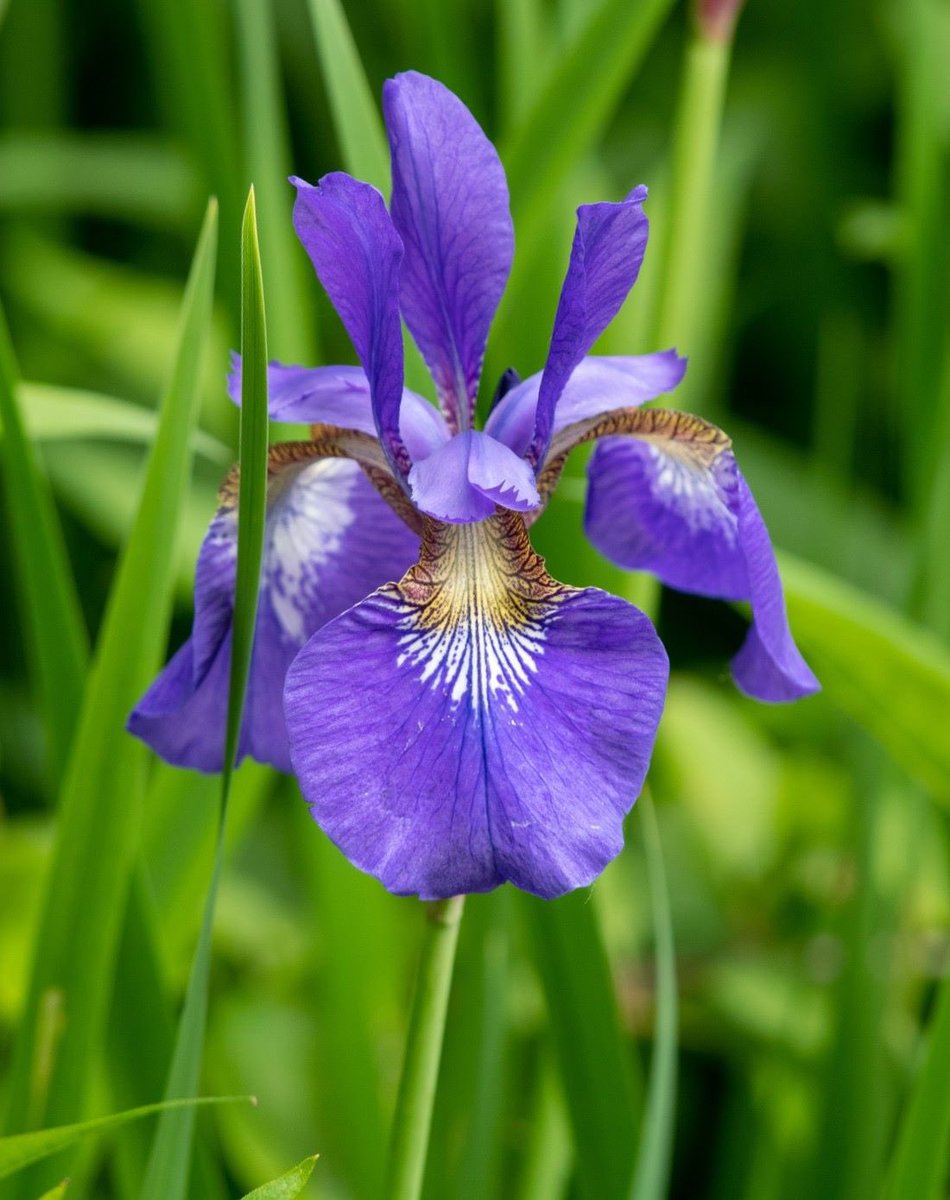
(805, 847)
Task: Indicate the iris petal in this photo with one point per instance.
(467, 477)
(596, 385)
(340, 396)
(450, 206)
(480, 722)
(671, 500)
(609, 244)
(329, 540)
(345, 228)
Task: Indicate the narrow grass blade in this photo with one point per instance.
(59, 414)
(102, 791)
(464, 1148)
(592, 1053)
(684, 250)
(359, 127)
(412, 1121)
(922, 287)
(576, 101)
(57, 1192)
(889, 674)
(288, 290)
(253, 490)
(546, 1162)
(919, 1165)
(288, 1186)
(362, 947)
(652, 1175)
(566, 119)
(523, 57)
(135, 178)
(188, 47)
(169, 1164)
(855, 1085)
(22, 1149)
(50, 608)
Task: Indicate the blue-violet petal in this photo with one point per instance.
(450, 206)
(340, 396)
(468, 476)
(479, 722)
(345, 228)
(675, 503)
(329, 541)
(609, 243)
(598, 384)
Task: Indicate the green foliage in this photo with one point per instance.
(287, 1186)
(167, 1174)
(70, 980)
(21, 1149)
(654, 1160)
(920, 1158)
(49, 601)
(795, 1031)
(588, 1039)
(890, 675)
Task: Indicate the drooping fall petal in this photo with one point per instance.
(479, 722)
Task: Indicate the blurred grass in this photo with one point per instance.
(101, 788)
(807, 868)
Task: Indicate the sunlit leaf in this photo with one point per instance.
(49, 603)
(919, 1165)
(355, 113)
(138, 178)
(287, 1186)
(588, 1041)
(21, 1149)
(102, 789)
(57, 1192)
(576, 101)
(288, 287)
(890, 675)
(654, 1161)
(166, 1176)
(54, 414)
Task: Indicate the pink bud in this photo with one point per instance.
(716, 19)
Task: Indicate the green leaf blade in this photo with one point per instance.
(888, 674)
(168, 1168)
(287, 1186)
(102, 791)
(22, 1149)
(50, 605)
(575, 102)
(589, 1044)
(919, 1164)
(289, 295)
(651, 1179)
(355, 115)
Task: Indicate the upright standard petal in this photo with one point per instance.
(670, 499)
(450, 206)
(329, 541)
(466, 478)
(609, 243)
(340, 396)
(596, 385)
(479, 722)
(345, 228)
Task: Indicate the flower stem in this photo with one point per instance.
(686, 229)
(410, 1138)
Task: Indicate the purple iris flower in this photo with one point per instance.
(476, 722)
